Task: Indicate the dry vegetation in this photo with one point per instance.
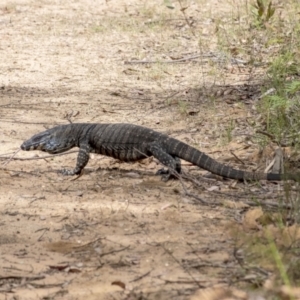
(219, 75)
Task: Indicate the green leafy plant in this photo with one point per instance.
(182, 107)
(169, 4)
(281, 113)
(263, 12)
(229, 130)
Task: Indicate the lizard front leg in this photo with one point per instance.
(82, 160)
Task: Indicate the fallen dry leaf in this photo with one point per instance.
(119, 283)
(250, 218)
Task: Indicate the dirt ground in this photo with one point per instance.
(118, 231)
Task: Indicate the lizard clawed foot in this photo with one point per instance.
(166, 175)
(66, 172)
(162, 172)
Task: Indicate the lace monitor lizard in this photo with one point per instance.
(128, 142)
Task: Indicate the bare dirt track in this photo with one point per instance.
(118, 225)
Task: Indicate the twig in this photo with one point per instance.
(181, 265)
(271, 136)
(199, 199)
(22, 277)
(45, 230)
(5, 163)
(68, 116)
(89, 243)
(182, 9)
(39, 198)
(211, 265)
(237, 157)
(198, 282)
(262, 201)
(162, 62)
(141, 277)
(177, 175)
(49, 285)
(269, 204)
(268, 92)
(114, 251)
(34, 158)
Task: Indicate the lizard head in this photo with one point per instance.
(54, 140)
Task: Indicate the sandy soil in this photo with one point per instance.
(117, 232)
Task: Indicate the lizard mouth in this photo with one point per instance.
(26, 147)
(45, 147)
(53, 149)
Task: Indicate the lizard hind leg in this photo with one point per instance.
(172, 162)
(166, 172)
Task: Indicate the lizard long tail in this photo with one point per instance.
(204, 161)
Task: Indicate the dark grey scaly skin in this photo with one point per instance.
(128, 142)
